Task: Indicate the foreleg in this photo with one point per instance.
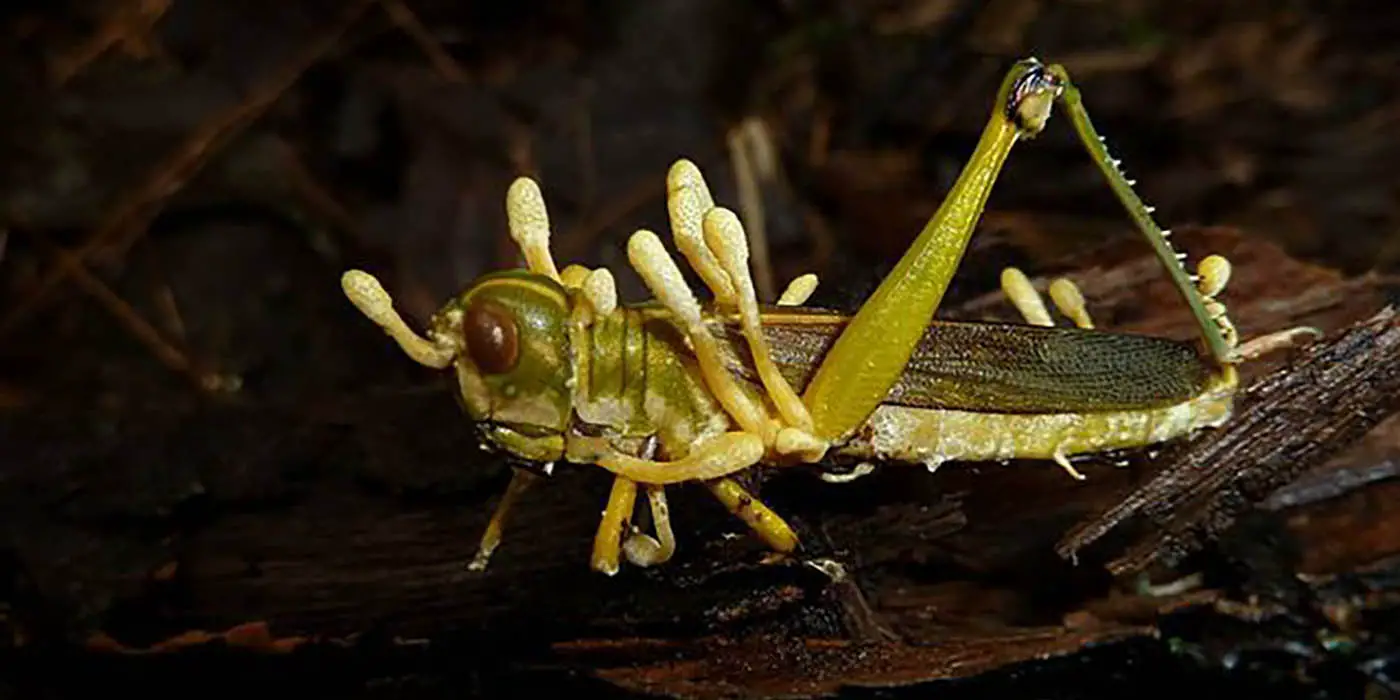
(520, 481)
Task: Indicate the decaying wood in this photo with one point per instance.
(776, 667)
(347, 522)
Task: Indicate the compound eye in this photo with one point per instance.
(493, 339)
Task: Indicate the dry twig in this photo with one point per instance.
(129, 26)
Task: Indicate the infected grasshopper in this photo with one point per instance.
(550, 367)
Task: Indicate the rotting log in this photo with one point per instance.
(348, 522)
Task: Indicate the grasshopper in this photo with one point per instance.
(550, 367)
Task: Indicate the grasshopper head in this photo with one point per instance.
(509, 337)
(506, 336)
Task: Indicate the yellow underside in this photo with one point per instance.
(932, 436)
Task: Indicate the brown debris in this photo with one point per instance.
(253, 636)
(773, 666)
(1351, 531)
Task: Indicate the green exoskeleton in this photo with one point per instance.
(550, 367)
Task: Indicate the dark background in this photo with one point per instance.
(207, 170)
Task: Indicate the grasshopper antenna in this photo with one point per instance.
(1211, 327)
(365, 292)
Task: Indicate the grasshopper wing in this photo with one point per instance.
(996, 367)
